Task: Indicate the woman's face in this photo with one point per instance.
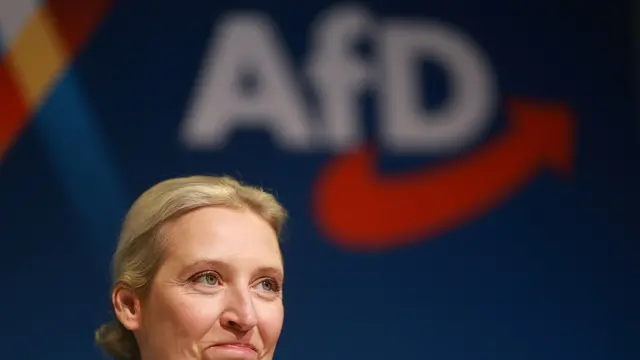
(218, 294)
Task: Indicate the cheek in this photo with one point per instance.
(188, 316)
(271, 317)
(198, 313)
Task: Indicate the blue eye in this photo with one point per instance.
(269, 285)
(209, 279)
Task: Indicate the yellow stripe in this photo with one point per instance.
(37, 56)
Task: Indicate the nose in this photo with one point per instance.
(239, 314)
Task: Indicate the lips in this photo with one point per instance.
(240, 349)
(238, 346)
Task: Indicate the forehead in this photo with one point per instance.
(237, 236)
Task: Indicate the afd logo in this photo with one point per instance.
(357, 206)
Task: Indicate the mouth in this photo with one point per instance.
(242, 349)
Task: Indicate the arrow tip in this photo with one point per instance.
(551, 126)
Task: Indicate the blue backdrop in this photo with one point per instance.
(546, 271)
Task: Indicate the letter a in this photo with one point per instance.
(246, 45)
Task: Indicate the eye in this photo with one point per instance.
(208, 279)
(269, 285)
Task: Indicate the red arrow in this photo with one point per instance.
(360, 209)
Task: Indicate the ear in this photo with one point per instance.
(126, 304)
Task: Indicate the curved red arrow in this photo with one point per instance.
(360, 209)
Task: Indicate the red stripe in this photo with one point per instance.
(13, 108)
(76, 20)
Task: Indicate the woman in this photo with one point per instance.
(197, 274)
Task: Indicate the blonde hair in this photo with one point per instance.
(140, 250)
